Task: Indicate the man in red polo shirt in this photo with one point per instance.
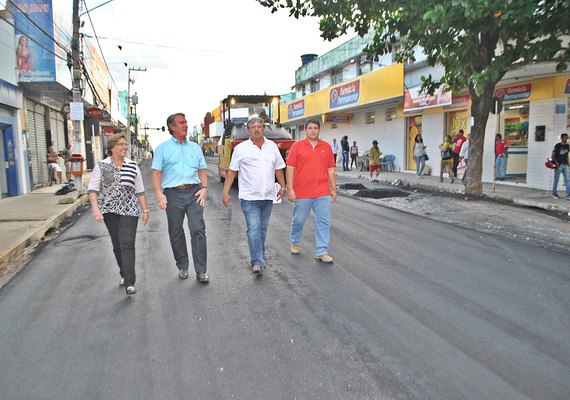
(311, 185)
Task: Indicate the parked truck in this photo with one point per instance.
(236, 111)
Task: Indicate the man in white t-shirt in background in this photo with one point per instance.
(258, 162)
(334, 147)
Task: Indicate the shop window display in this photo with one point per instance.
(516, 124)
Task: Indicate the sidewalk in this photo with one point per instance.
(504, 191)
(25, 220)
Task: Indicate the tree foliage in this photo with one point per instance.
(476, 41)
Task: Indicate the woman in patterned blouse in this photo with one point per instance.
(115, 191)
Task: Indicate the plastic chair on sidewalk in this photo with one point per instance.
(387, 163)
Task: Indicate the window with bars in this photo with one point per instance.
(390, 114)
(336, 76)
(315, 86)
(369, 117)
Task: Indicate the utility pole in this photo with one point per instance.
(76, 88)
(129, 103)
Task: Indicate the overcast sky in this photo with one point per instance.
(199, 51)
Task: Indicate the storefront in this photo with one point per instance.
(513, 126)
(11, 179)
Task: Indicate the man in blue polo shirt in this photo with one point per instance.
(181, 186)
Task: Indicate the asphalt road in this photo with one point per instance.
(411, 309)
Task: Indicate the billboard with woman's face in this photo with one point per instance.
(35, 49)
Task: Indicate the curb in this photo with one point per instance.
(34, 237)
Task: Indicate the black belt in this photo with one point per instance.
(182, 187)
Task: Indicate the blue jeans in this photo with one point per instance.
(344, 160)
(182, 203)
(420, 165)
(321, 207)
(562, 169)
(256, 213)
(501, 167)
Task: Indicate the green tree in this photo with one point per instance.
(476, 41)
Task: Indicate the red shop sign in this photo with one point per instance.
(95, 113)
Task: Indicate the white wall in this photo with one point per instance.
(433, 129)
(388, 134)
(7, 52)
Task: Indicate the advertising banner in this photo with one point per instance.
(296, 109)
(458, 102)
(415, 100)
(338, 118)
(344, 95)
(514, 93)
(99, 73)
(567, 87)
(35, 51)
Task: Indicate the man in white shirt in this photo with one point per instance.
(258, 162)
(334, 147)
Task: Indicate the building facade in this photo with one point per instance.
(380, 100)
(35, 94)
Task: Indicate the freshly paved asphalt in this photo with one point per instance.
(411, 309)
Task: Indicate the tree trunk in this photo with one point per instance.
(481, 106)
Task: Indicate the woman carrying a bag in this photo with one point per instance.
(419, 155)
(446, 158)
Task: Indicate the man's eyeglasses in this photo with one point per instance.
(253, 127)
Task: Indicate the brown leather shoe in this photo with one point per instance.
(295, 249)
(324, 258)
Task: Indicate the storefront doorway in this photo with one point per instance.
(414, 129)
(514, 129)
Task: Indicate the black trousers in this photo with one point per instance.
(123, 232)
(183, 203)
(455, 162)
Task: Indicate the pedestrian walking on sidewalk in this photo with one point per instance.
(181, 185)
(374, 160)
(311, 185)
(115, 192)
(419, 155)
(345, 150)
(258, 162)
(446, 159)
(353, 154)
(560, 155)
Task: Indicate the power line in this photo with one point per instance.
(99, 45)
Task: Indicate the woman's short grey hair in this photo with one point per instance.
(312, 121)
(113, 140)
